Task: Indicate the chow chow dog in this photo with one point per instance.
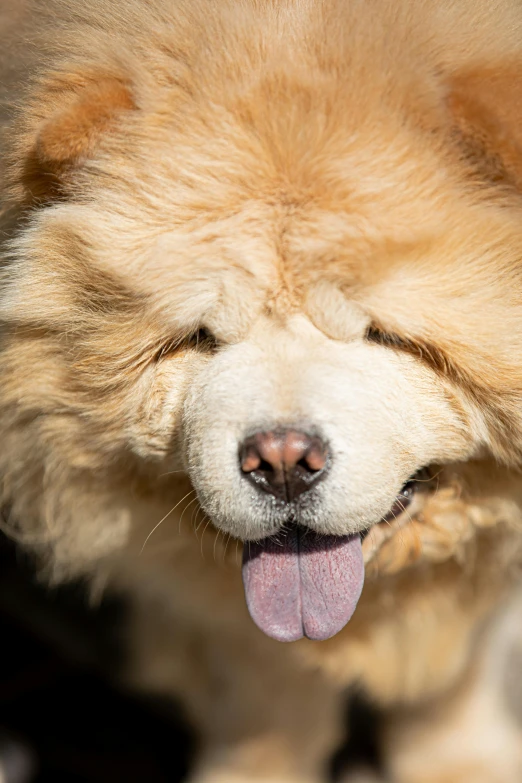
(261, 308)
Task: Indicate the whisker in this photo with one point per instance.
(196, 525)
(430, 478)
(172, 473)
(164, 518)
(409, 519)
(184, 510)
(218, 533)
(227, 542)
(202, 538)
(200, 523)
(193, 516)
(376, 565)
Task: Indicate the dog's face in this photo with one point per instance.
(302, 287)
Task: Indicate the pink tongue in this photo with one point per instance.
(304, 584)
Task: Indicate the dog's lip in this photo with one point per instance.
(399, 506)
(420, 480)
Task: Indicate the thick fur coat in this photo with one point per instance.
(230, 217)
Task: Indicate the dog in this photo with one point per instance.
(261, 361)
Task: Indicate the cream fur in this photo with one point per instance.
(332, 190)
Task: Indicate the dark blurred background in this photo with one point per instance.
(62, 713)
(58, 696)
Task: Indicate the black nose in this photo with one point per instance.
(284, 463)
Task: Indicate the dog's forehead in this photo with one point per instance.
(358, 204)
(266, 260)
(218, 229)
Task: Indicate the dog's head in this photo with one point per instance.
(278, 250)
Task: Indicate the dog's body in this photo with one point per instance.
(290, 232)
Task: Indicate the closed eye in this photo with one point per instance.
(426, 352)
(440, 362)
(201, 340)
(375, 334)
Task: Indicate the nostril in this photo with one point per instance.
(250, 459)
(316, 457)
(304, 466)
(283, 462)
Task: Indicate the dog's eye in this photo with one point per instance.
(432, 356)
(376, 335)
(202, 340)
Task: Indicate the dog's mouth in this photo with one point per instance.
(304, 584)
(421, 481)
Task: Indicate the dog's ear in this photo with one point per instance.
(71, 134)
(486, 110)
(72, 115)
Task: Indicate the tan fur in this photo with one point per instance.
(332, 190)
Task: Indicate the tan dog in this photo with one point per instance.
(263, 283)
